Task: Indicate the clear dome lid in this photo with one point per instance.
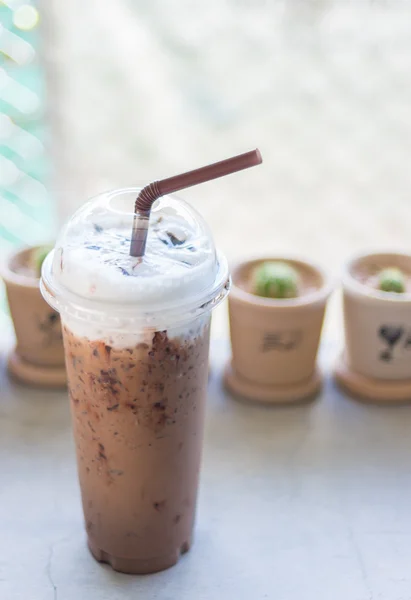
(91, 267)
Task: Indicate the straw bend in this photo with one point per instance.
(150, 193)
(146, 197)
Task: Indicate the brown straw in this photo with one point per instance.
(153, 191)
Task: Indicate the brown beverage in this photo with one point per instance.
(136, 338)
(138, 417)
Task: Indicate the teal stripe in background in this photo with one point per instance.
(26, 210)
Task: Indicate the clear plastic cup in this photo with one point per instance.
(136, 337)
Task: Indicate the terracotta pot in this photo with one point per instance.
(377, 358)
(38, 357)
(275, 342)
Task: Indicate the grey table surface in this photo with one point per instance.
(304, 502)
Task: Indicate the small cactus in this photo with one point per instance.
(391, 280)
(39, 254)
(275, 280)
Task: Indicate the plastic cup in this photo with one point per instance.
(136, 338)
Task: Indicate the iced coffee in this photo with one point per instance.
(136, 337)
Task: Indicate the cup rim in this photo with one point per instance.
(70, 304)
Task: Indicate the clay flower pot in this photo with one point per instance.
(38, 357)
(275, 341)
(376, 363)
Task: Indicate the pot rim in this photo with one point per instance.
(352, 285)
(319, 296)
(18, 279)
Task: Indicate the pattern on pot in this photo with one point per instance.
(397, 339)
(283, 341)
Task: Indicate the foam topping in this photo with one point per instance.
(92, 259)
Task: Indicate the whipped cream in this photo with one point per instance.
(104, 293)
(92, 257)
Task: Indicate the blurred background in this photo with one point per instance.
(101, 94)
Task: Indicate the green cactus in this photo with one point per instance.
(275, 280)
(39, 254)
(391, 280)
